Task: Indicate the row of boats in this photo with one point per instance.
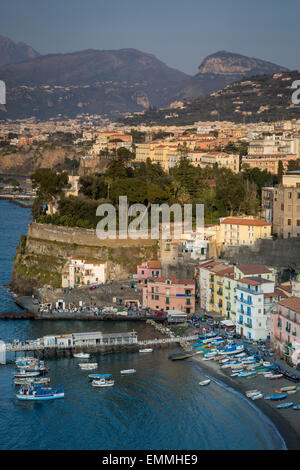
(242, 365)
(30, 375)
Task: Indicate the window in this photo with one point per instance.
(289, 221)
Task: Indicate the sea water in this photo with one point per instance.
(160, 407)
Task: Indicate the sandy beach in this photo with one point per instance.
(287, 421)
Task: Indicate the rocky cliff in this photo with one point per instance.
(42, 253)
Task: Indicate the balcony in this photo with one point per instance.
(249, 290)
(245, 301)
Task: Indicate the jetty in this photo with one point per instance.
(93, 342)
(16, 315)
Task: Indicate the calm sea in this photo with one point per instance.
(161, 407)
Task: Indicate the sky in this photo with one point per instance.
(181, 33)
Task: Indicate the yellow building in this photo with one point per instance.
(242, 231)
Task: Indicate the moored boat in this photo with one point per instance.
(285, 405)
(204, 382)
(31, 380)
(41, 393)
(104, 381)
(81, 355)
(128, 371)
(88, 365)
(146, 350)
(280, 396)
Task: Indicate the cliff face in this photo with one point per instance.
(42, 254)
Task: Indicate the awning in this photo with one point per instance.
(227, 323)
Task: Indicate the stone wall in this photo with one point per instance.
(41, 256)
(281, 253)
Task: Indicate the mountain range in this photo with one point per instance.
(109, 82)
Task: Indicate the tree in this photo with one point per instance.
(280, 171)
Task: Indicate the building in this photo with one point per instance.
(286, 206)
(255, 301)
(91, 338)
(267, 162)
(79, 271)
(146, 270)
(170, 294)
(285, 329)
(242, 231)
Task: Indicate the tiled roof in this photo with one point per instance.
(293, 303)
(253, 269)
(240, 221)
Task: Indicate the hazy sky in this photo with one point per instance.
(178, 32)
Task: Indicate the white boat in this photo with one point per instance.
(249, 393)
(103, 382)
(146, 350)
(204, 382)
(128, 371)
(82, 355)
(256, 396)
(88, 365)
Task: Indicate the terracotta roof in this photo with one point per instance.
(253, 269)
(154, 265)
(240, 221)
(293, 303)
(227, 270)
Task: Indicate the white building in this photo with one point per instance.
(255, 300)
(79, 271)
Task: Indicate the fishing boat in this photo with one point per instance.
(97, 376)
(204, 382)
(146, 350)
(236, 348)
(296, 407)
(273, 376)
(31, 380)
(31, 392)
(103, 382)
(128, 371)
(280, 396)
(82, 355)
(285, 405)
(88, 365)
(26, 373)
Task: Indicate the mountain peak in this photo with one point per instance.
(12, 52)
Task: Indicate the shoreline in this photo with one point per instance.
(283, 420)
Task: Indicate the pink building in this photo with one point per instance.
(170, 293)
(285, 327)
(147, 270)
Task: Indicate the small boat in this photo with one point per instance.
(98, 376)
(146, 350)
(103, 382)
(180, 356)
(32, 380)
(128, 371)
(26, 373)
(273, 376)
(280, 396)
(204, 382)
(285, 405)
(82, 355)
(296, 407)
(251, 392)
(256, 396)
(30, 392)
(287, 389)
(88, 365)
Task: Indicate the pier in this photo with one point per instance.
(16, 316)
(90, 342)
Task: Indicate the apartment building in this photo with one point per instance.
(256, 298)
(285, 329)
(146, 270)
(242, 231)
(170, 294)
(267, 162)
(79, 271)
(286, 206)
